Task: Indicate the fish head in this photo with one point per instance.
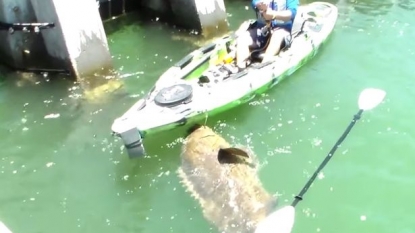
(204, 143)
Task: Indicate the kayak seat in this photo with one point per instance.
(296, 30)
(300, 20)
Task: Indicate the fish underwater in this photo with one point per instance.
(224, 180)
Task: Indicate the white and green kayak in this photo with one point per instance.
(200, 85)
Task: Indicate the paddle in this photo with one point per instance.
(282, 220)
(3, 228)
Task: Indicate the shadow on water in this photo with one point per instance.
(150, 21)
(114, 25)
(50, 99)
(35, 121)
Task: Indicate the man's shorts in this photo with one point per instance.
(260, 40)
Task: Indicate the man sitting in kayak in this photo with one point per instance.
(280, 14)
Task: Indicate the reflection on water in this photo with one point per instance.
(372, 7)
(380, 7)
(406, 4)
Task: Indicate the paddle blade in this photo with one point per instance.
(369, 98)
(281, 221)
(4, 229)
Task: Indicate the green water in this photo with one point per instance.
(67, 174)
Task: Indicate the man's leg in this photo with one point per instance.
(246, 41)
(274, 45)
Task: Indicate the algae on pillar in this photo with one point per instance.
(207, 16)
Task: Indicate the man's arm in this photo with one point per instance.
(253, 4)
(288, 14)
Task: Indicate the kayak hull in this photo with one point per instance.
(194, 88)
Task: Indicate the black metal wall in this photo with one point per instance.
(113, 8)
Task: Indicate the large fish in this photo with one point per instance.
(224, 180)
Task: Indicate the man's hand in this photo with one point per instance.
(269, 14)
(262, 7)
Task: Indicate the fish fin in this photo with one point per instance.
(253, 159)
(247, 149)
(189, 187)
(236, 152)
(231, 155)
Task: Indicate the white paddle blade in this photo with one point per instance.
(369, 98)
(281, 221)
(4, 229)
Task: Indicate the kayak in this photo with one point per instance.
(204, 82)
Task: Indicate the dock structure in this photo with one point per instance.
(208, 17)
(110, 9)
(53, 35)
(68, 36)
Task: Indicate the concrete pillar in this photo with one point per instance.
(207, 16)
(78, 39)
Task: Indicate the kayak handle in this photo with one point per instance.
(184, 61)
(188, 58)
